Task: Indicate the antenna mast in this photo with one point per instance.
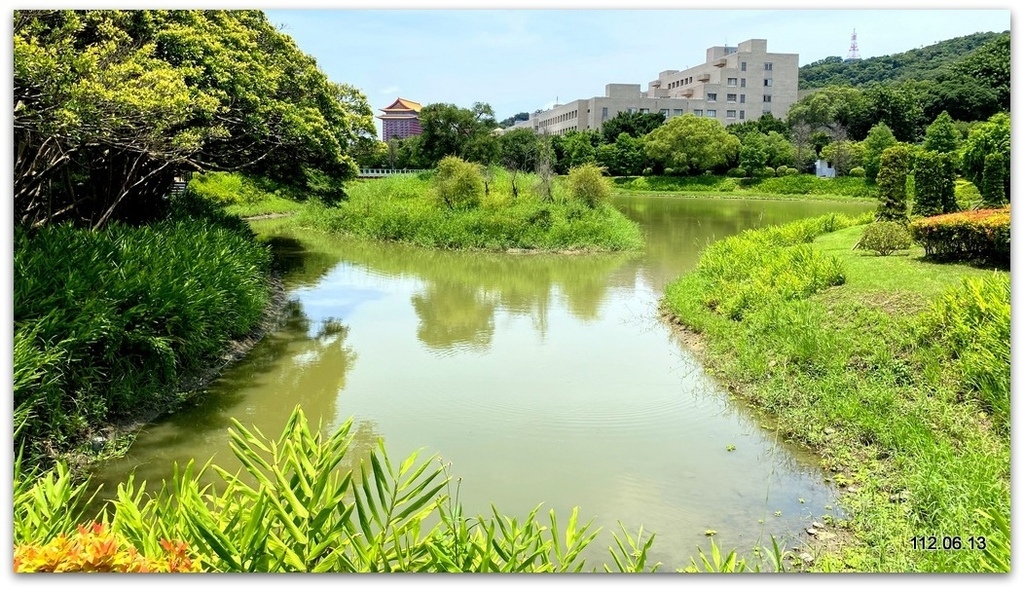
(854, 55)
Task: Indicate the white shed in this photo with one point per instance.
(824, 169)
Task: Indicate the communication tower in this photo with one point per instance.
(854, 55)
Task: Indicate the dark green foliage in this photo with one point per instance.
(449, 130)
(108, 323)
(933, 183)
(892, 184)
(753, 153)
(987, 138)
(633, 124)
(993, 190)
(916, 64)
(625, 157)
(884, 238)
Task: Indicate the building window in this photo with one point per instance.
(767, 97)
(731, 82)
(604, 113)
(767, 66)
(712, 97)
(730, 97)
(645, 111)
(767, 81)
(664, 112)
(631, 110)
(730, 114)
(743, 115)
(712, 112)
(743, 82)
(676, 112)
(743, 66)
(743, 98)
(698, 112)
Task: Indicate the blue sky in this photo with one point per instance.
(526, 59)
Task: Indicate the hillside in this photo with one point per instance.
(925, 63)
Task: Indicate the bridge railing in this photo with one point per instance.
(377, 172)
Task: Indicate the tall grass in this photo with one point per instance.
(906, 408)
(108, 323)
(404, 208)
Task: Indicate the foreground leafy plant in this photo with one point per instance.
(297, 505)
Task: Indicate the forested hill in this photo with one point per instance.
(924, 63)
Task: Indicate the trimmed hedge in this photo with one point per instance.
(982, 235)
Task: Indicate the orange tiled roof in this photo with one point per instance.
(403, 104)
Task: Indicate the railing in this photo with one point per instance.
(379, 172)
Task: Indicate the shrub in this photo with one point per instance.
(792, 172)
(934, 182)
(587, 184)
(95, 548)
(967, 195)
(857, 172)
(982, 235)
(781, 170)
(735, 173)
(993, 193)
(892, 183)
(884, 238)
(670, 171)
(459, 184)
(766, 172)
(648, 171)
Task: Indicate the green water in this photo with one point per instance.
(541, 379)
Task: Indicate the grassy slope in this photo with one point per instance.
(845, 372)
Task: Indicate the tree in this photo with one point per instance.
(588, 185)
(897, 108)
(993, 192)
(632, 124)
(833, 107)
(140, 96)
(579, 147)
(892, 184)
(942, 136)
(879, 139)
(753, 153)
(519, 151)
(625, 157)
(990, 137)
(804, 151)
(692, 144)
(449, 130)
(989, 65)
(779, 150)
(844, 155)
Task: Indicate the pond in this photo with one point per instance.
(541, 379)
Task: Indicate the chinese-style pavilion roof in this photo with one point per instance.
(403, 104)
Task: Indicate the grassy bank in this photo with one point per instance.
(245, 196)
(406, 209)
(801, 186)
(893, 369)
(108, 324)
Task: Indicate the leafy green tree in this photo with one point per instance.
(625, 157)
(632, 124)
(519, 153)
(879, 139)
(989, 65)
(449, 130)
(892, 184)
(110, 105)
(692, 144)
(779, 150)
(579, 148)
(993, 192)
(833, 107)
(941, 136)
(990, 137)
(897, 108)
(753, 153)
(459, 183)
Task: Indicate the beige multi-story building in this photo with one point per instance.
(734, 84)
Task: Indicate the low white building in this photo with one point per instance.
(823, 169)
(732, 85)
